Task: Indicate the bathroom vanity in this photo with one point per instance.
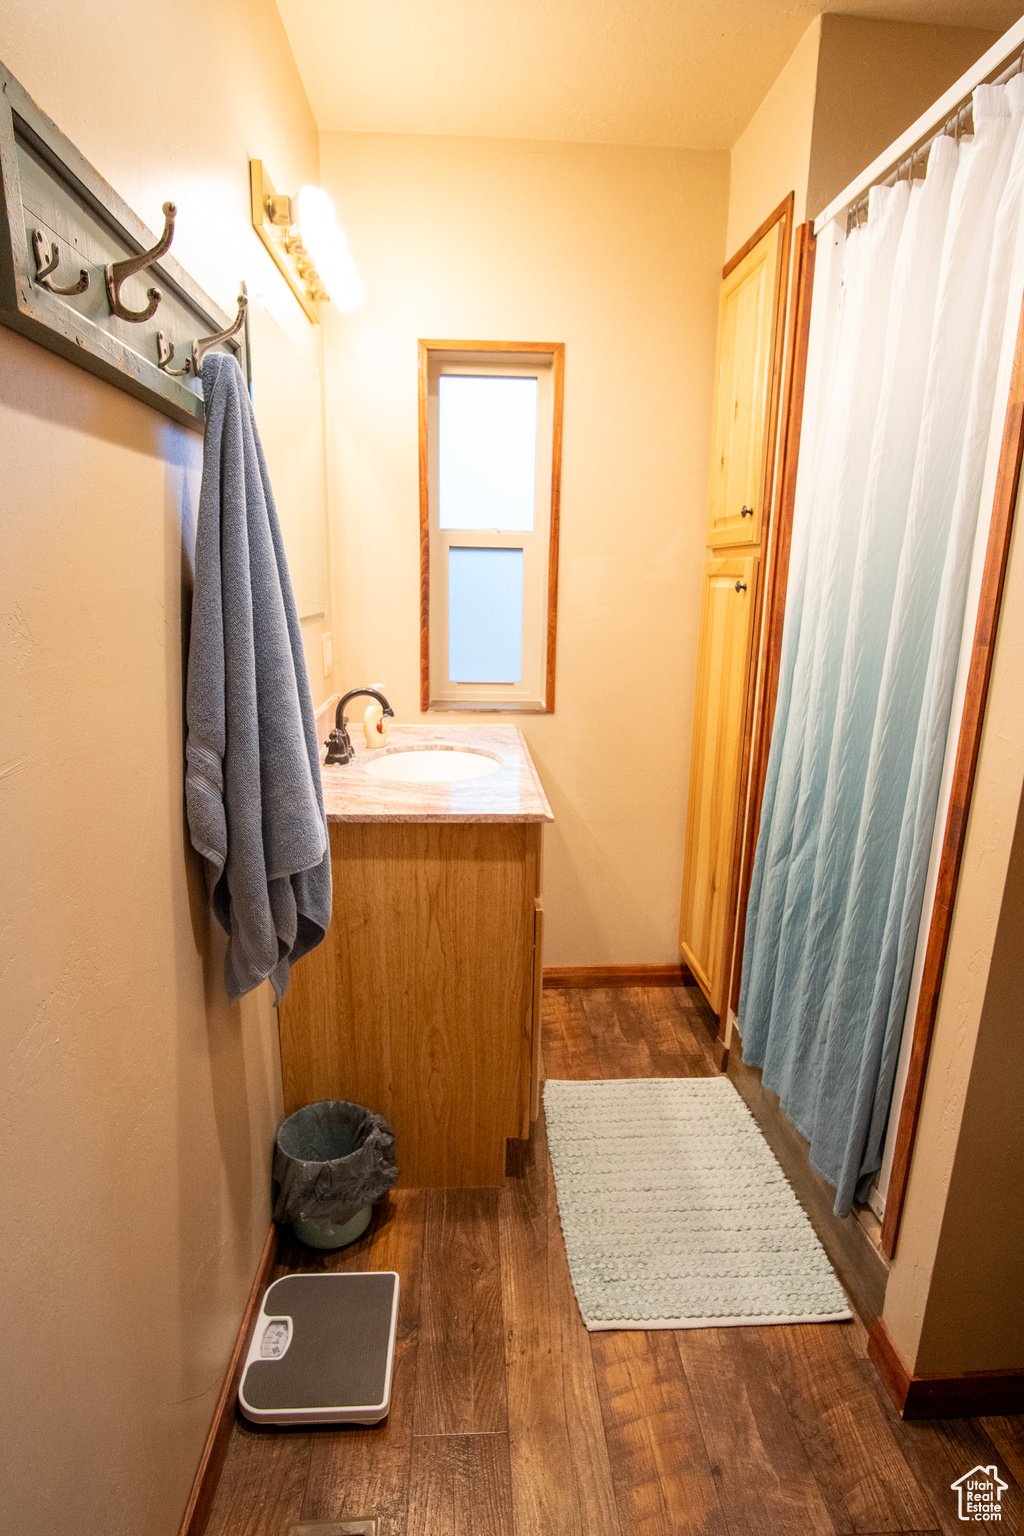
(423, 1002)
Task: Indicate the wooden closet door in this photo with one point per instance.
(747, 320)
(726, 626)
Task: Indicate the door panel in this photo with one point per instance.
(747, 323)
(726, 625)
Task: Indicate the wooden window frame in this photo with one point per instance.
(555, 351)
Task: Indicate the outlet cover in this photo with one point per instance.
(328, 668)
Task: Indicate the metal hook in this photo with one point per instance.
(203, 345)
(47, 259)
(118, 271)
(165, 354)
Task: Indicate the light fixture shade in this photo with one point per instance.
(323, 239)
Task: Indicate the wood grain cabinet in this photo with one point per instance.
(423, 1001)
(747, 328)
(726, 624)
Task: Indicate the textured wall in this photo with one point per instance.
(772, 156)
(138, 1104)
(874, 79)
(616, 252)
(848, 90)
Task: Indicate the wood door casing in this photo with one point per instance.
(774, 585)
(726, 628)
(747, 339)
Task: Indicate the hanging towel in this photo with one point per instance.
(252, 780)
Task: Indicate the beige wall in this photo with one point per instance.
(975, 1314)
(139, 1105)
(850, 87)
(772, 156)
(874, 79)
(616, 252)
(955, 1299)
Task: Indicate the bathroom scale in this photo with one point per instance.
(322, 1350)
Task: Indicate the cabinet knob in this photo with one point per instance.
(746, 511)
(741, 586)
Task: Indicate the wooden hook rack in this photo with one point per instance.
(74, 264)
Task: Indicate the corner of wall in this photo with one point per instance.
(771, 157)
(159, 1094)
(874, 78)
(934, 1322)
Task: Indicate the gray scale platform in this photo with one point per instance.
(322, 1350)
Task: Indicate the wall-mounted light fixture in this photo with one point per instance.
(303, 236)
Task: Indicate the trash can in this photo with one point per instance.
(332, 1160)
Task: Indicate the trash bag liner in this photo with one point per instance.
(330, 1159)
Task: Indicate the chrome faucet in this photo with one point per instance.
(339, 746)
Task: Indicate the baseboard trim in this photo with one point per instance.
(961, 1395)
(618, 976)
(215, 1450)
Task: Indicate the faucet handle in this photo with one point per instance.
(339, 747)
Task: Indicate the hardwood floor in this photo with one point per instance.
(509, 1419)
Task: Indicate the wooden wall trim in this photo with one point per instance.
(779, 391)
(618, 976)
(556, 351)
(211, 1464)
(423, 389)
(783, 211)
(959, 1395)
(775, 583)
(558, 383)
(969, 744)
(889, 1363)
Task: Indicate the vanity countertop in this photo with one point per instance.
(511, 793)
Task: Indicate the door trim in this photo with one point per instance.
(764, 687)
(968, 747)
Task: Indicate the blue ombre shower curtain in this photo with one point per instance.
(912, 340)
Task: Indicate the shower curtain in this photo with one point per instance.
(888, 494)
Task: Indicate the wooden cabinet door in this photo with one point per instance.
(747, 322)
(726, 625)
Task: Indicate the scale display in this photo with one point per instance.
(322, 1350)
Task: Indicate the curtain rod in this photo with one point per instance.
(1000, 60)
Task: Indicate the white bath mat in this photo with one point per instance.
(675, 1211)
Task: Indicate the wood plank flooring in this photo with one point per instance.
(509, 1419)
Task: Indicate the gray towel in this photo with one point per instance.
(252, 781)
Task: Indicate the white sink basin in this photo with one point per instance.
(426, 765)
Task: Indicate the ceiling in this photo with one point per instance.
(671, 72)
